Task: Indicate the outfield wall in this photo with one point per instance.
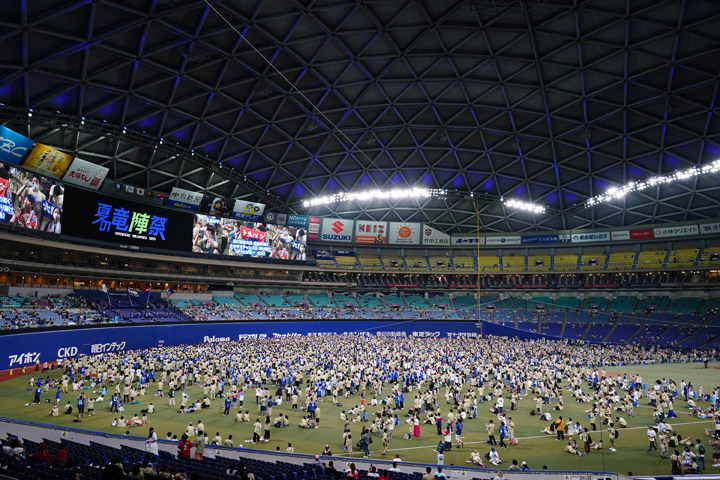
(48, 345)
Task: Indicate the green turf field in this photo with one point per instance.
(533, 447)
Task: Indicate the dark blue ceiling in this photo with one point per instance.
(547, 101)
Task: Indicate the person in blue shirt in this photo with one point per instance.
(311, 409)
(458, 434)
(38, 391)
(114, 403)
(57, 396)
(81, 405)
(503, 433)
(228, 404)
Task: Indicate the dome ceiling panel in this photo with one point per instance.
(549, 102)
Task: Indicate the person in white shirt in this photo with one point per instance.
(151, 442)
(494, 457)
(652, 435)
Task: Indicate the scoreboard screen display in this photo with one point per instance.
(103, 218)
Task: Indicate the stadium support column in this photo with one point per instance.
(477, 264)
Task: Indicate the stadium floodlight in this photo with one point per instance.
(616, 193)
(368, 195)
(524, 206)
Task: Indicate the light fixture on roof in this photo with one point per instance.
(615, 193)
(524, 206)
(368, 195)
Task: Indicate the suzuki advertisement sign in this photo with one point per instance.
(336, 230)
(403, 233)
(370, 232)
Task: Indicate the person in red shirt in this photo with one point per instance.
(184, 447)
(42, 455)
(61, 455)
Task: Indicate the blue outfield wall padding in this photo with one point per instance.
(45, 346)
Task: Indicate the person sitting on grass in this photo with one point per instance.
(475, 458)
(572, 448)
(494, 457)
(278, 421)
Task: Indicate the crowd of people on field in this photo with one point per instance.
(393, 386)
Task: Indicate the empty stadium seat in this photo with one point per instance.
(488, 263)
(621, 260)
(682, 257)
(513, 262)
(594, 260)
(463, 263)
(416, 263)
(651, 259)
(565, 262)
(539, 262)
(369, 262)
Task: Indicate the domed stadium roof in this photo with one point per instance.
(547, 101)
